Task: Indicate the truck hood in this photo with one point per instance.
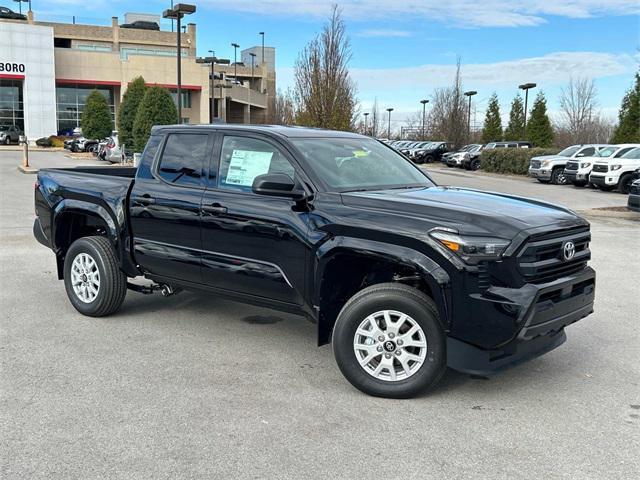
(472, 212)
(551, 157)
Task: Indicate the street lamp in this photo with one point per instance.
(469, 94)
(389, 124)
(366, 114)
(526, 87)
(424, 109)
(20, 4)
(262, 57)
(253, 57)
(212, 60)
(235, 62)
(177, 12)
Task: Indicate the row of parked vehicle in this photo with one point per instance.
(421, 152)
(607, 167)
(108, 149)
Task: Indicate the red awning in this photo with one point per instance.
(68, 81)
(10, 76)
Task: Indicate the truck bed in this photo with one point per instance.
(126, 172)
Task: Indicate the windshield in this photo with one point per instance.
(606, 152)
(347, 164)
(568, 152)
(635, 154)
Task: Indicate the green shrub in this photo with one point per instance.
(156, 108)
(511, 160)
(128, 109)
(57, 141)
(96, 117)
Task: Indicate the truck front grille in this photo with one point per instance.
(535, 163)
(542, 258)
(572, 166)
(601, 168)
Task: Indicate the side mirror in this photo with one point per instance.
(276, 185)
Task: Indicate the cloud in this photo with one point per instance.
(551, 69)
(371, 33)
(467, 13)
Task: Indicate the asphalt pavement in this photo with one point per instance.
(193, 386)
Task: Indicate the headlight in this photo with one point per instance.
(585, 165)
(545, 163)
(419, 152)
(615, 167)
(470, 249)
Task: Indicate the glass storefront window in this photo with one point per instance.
(186, 98)
(11, 103)
(70, 100)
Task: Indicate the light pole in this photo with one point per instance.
(177, 12)
(20, 4)
(235, 62)
(253, 57)
(262, 57)
(469, 94)
(424, 110)
(366, 114)
(212, 60)
(389, 124)
(526, 87)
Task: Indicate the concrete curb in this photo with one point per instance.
(27, 170)
(608, 213)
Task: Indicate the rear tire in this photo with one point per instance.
(388, 341)
(93, 280)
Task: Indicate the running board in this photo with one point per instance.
(165, 290)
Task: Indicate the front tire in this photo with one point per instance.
(624, 186)
(93, 280)
(388, 341)
(428, 159)
(558, 177)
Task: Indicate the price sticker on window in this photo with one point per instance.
(245, 165)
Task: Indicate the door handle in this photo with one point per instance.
(144, 200)
(215, 209)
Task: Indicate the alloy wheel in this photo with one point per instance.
(85, 277)
(390, 345)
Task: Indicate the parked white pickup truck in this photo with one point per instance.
(577, 171)
(608, 174)
(550, 168)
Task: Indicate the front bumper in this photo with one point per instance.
(576, 176)
(603, 181)
(529, 320)
(541, 173)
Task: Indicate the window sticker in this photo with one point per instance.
(245, 165)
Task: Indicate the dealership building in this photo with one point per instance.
(48, 69)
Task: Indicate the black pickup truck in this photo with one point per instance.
(403, 277)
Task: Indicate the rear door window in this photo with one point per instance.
(183, 159)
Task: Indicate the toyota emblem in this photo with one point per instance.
(569, 250)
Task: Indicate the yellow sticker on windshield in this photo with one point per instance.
(360, 153)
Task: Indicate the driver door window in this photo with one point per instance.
(242, 159)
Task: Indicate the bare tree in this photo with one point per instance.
(283, 112)
(324, 91)
(578, 106)
(597, 130)
(448, 113)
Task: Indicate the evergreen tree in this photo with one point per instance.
(492, 130)
(96, 120)
(128, 109)
(628, 128)
(515, 129)
(539, 130)
(156, 108)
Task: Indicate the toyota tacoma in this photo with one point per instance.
(402, 277)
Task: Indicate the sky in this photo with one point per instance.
(403, 49)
